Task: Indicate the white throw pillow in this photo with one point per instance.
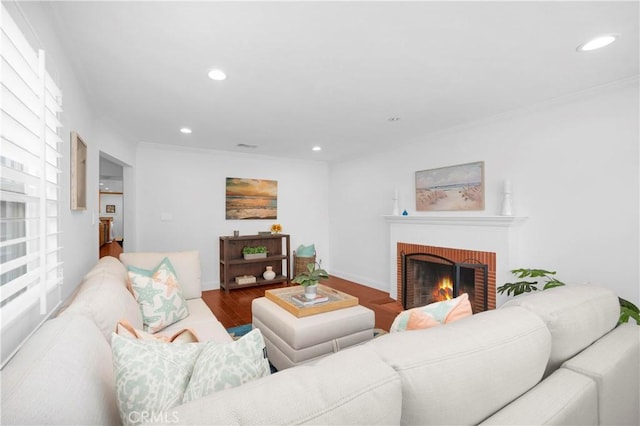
(159, 295)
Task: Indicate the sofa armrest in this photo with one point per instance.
(564, 398)
(613, 363)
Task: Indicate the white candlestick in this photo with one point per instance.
(396, 209)
(507, 186)
(507, 203)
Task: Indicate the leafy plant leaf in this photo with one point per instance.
(518, 287)
(533, 273)
(553, 283)
(628, 310)
(627, 304)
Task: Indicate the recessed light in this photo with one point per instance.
(597, 42)
(185, 130)
(316, 148)
(101, 184)
(216, 74)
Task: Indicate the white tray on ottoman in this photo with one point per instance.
(291, 340)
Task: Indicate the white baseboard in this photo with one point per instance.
(366, 281)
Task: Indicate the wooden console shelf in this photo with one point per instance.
(232, 263)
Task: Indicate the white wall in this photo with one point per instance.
(189, 185)
(574, 167)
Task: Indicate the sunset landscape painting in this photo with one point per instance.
(251, 199)
(458, 187)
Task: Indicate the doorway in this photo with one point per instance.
(111, 209)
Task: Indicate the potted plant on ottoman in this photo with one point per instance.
(310, 279)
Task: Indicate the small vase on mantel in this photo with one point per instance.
(269, 274)
(507, 203)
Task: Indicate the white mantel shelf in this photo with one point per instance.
(501, 221)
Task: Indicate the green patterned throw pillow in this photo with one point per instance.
(151, 377)
(159, 295)
(226, 365)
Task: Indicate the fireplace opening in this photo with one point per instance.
(429, 278)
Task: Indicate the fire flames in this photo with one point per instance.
(443, 290)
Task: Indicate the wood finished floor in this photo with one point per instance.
(234, 308)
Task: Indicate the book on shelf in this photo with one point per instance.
(301, 300)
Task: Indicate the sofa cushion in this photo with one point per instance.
(613, 363)
(104, 298)
(63, 375)
(203, 323)
(350, 387)
(433, 314)
(150, 376)
(576, 315)
(446, 371)
(159, 295)
(223, 366)
(563, 398)
(186, 264)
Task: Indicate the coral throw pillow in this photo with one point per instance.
(433, 315)
(186, 335)
(159, 295)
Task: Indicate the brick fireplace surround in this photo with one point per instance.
(498, 235)
(455, 255)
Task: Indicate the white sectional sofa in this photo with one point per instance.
(556, 357)
(64, 373)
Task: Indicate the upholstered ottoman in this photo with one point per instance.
(291, 340)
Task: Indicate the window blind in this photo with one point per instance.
(30, 249)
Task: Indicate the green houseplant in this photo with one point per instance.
(627, 309)
(254, 252)
(523, 286)
(310, 278)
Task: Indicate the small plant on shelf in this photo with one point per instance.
(254, 252)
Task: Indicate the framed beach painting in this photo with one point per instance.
(251, 199)
(452, 188)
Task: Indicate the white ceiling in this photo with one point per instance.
(333, 73)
